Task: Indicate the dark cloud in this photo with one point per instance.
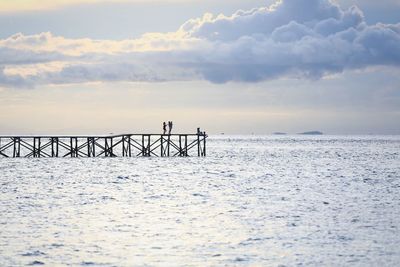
(303, 38)
(11, 56)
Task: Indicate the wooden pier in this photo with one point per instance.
(125, 145)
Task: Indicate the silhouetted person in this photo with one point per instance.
(170, 124)
(164, 126)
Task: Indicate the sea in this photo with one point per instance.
(253, 201)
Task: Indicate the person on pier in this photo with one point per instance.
(164, 127)
(170, 125)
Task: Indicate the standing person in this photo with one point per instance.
(170, 127)
(164, 126)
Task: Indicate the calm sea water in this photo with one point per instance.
(254, 201)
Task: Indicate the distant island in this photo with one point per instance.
(279, 133)
(312, 133)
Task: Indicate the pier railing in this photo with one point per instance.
(126, 145)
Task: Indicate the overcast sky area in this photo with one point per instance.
(229, 66)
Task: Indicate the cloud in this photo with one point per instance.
(292, 38)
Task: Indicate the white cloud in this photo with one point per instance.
(297, 38)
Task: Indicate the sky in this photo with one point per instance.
(234, 67)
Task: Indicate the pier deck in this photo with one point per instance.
(124, 145)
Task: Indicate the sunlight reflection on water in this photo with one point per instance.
(253, 201)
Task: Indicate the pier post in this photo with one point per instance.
(198, 144)
(143, 147)
(149, 146)
(146, 143)
(124, 147)
(108, 146)
(54, 147)
(111, 151)
(91, 147)
(168, 145)
(162, 146)
(143, 154)
(204, 144)
(89, 152)
(180, 146)
(129, 145)
(186, 145)
(36, 147)
(74, 147)
(111, 147)
(183, 149)
(17, 147)
(71, 147)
